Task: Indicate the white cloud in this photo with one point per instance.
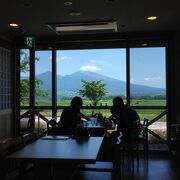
(90, 68)
(92, 61)
(63, 58)
(152, 79)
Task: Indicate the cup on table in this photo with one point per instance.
(93, 121)
(85, 123)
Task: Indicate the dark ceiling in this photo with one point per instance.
(33, 15)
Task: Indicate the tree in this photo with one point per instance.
(93, 90)
(25, 83)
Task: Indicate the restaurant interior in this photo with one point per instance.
(48, 47)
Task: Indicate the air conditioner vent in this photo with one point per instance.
(84, 27)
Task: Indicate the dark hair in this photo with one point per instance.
(118, 101)
(76, 100)
(115, 110)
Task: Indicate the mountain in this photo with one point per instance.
(69, 85)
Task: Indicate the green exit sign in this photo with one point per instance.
(29, 41)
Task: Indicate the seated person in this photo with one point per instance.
(126, 118)
(71, 117)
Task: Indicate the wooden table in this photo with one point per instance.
(65, 152)
(69, 150)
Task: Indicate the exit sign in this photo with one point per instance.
(29, 41)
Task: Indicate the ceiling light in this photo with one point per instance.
(151, 18)
(68, 3)
(144, 44)
(14, 25)
(74, 13)
(88, 26)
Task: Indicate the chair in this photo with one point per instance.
(9, 169)
(139, 137)
(143, 138)
(102, 164)
(104, 169)
(29, 138)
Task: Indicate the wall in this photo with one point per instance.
(5, 91)
(5, 124)
(175, 75)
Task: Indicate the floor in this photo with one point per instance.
(158, 167)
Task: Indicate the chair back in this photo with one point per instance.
(9, 167)
(10, 145)
(144, 129)
(29, 138)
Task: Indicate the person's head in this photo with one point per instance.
(115, 111)
(76, 102)
(118, 101)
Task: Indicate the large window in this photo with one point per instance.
(147, 76)
(112, 68)
(76, 66)
(148, 86)
(43, 78)
(24, 77)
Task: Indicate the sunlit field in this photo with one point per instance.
(143, 113)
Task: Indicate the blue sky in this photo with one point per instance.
(147, 64)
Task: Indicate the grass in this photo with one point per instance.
(153, 140)
(143, 113)
(102, 102)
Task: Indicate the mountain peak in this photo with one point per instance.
(91, 74)
(70, 84)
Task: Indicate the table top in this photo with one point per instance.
(97, 125)
(64, 150)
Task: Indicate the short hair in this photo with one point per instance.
(115, 110)
(76, 100)
(118, 101)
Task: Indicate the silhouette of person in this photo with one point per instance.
(71, 116)
(126, 118)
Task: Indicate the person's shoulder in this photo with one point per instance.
(67, 109)
(130, 110)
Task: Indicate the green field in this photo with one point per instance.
(143, 113)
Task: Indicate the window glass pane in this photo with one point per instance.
(105, 65)
(24, 77)
(159, 127)
(147, 76)
(40, 124)
(43, 78)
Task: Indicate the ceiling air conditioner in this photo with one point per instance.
(84, 27)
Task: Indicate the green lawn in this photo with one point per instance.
(102, 102)
(150, 114)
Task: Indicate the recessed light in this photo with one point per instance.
(14, 25)
(144, 44)
(74, 13)
(68, 3)
(151, 18)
